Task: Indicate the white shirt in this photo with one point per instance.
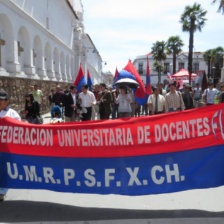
(87, 99)
(161, 102)
(210, 95)
(197, 93)
(8, 112)
(124, 103)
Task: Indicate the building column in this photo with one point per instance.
(30, 68)
(13, 65)
(50, 70)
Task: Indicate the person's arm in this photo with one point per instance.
(80, 99)
(166, 104)
(42, 97)
(150, 104)
(128, 98)
(182, 105)
(93, 99)
(217, 95)
(73, 100)
(204, 96)
(163, 102)
(117, 100)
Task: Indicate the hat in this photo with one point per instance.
(3, 95)
(187, 86)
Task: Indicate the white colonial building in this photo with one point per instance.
(140, 64)
(45, 40)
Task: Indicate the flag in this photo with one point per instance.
(80, 80)
(140, 91)
(148, 80)
(89, 81)
(115, 77)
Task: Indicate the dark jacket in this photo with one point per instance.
(67, 102)
(58, 98)
(33, 110)
(105, 105)
(188, 100)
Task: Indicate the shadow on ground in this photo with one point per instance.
(26, 211)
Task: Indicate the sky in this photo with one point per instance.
(124, 29)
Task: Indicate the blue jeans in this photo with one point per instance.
(173, 110)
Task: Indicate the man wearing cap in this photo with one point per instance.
(156, 102)
(5, 111)
(174, 100)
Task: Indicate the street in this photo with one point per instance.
(195, 206)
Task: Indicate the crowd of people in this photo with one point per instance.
(69, 105)
(107, 103)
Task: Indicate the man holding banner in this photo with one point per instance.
(5, 111)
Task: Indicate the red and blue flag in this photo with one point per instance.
(148, 79)
(80, 80)
(115, 77)
(140, 91)
(89, 81)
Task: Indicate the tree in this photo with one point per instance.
(214, 60)
(192, 19)
(173, 46)
(157, 67)
(158, 51)
(221, 5)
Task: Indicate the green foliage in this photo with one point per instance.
(221, 5)
(174, 45)
(214, 56)
(158, 50)
(193, 18)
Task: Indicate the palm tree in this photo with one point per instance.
(214, 59)
(157, 67)
(192, 19)
(173, 46)
(221, 5)
(158, 51)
